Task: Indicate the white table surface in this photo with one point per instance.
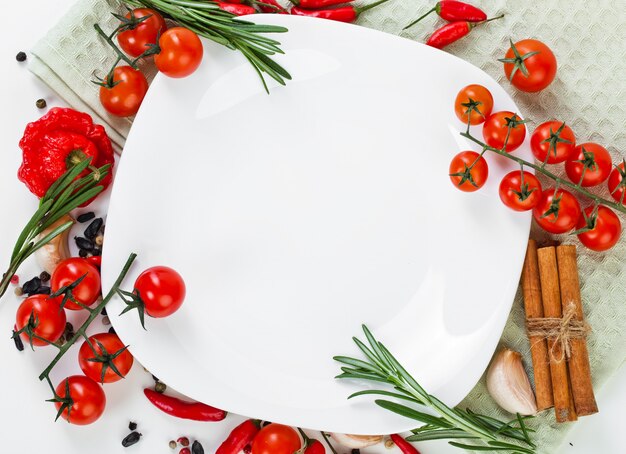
(26, 417)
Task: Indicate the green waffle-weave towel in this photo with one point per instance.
(588, 39)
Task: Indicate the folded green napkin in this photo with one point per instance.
(587, 37)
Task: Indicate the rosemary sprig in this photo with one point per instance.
(485, 433)
(65, 194)
(206, 19)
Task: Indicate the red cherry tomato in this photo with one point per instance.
(69, 271)
(533, 67)
(568, 211)
(48, 316)
(617, 183)
(589, 164)
(468, 171)
(496, 128)
(124, 99)
(276, 439)
(181, 52)
(95, 260)
(161, 289)
(606, 228)
(88, 400)
(520, 192)
(552, 142)
(478, 100)
(114, 350)
(135, 39)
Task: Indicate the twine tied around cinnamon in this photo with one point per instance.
(561, 330)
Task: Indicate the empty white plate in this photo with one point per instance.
(297, 216)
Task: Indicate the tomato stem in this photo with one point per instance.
(540, 169)
(81, 332)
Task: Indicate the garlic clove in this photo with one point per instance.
(508, 383)
(57, 250)
(356, 441)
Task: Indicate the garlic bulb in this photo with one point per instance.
(356, 441)
(57, 250)
(508, 383)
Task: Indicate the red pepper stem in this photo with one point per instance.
(360, 9)
(435, 8)
(472, 25)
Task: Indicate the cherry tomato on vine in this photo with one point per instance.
(88, 400)
(589, 164)
(605, 228)
(161, 289)
(496, 129)
(69, 271)
(477, 100)
(48, 317)
(136, 37)
(276, 439)
(125, 97)
(617, 183)
(557, 212)
(468, 171)
(529, 65)
(520, 191)
(552, 142)
(181, 52)
(115, 353)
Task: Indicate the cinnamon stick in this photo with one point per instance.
(578, 364)
(551, 296)
(533, 306)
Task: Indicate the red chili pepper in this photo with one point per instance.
(183, 409)
(343, 14)
(58, 141)
(236, 9)
(452, 32)
(317, 4)
(270, 6)
(453, 11)
(95, 260)
(403, 445)
(315, 447)
(239, 438)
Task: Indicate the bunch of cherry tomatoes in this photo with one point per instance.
(103, 358)
(177, 52)
(556, 210)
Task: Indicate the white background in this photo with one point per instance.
(26, 419)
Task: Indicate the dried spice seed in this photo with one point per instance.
(44, 276)
(197, 448)
(112, 330)
(83, 253)
(106, 321)
(18, 291)
(99, 240)
(18, 341)
(103, 311)
(356, 451)
(94, 228)
(184, 451)
(131, 439)
(184, 441)
(15, 279)
(389, 443)
(172, 444)
(21, 56)
(132, 425)
(86, 217)
(160, 387)
(154, 377)
(84, 243)
(96, 251)
(32, 285)
(41, 103)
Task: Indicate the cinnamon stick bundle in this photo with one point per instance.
(579, 369)
(551, 294)
(533, 306)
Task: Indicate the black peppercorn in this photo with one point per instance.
(44, 276)
(41, 103)
(131, 439)
(132, 425)
(21, 56)
(83, 253)
(86, 217)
